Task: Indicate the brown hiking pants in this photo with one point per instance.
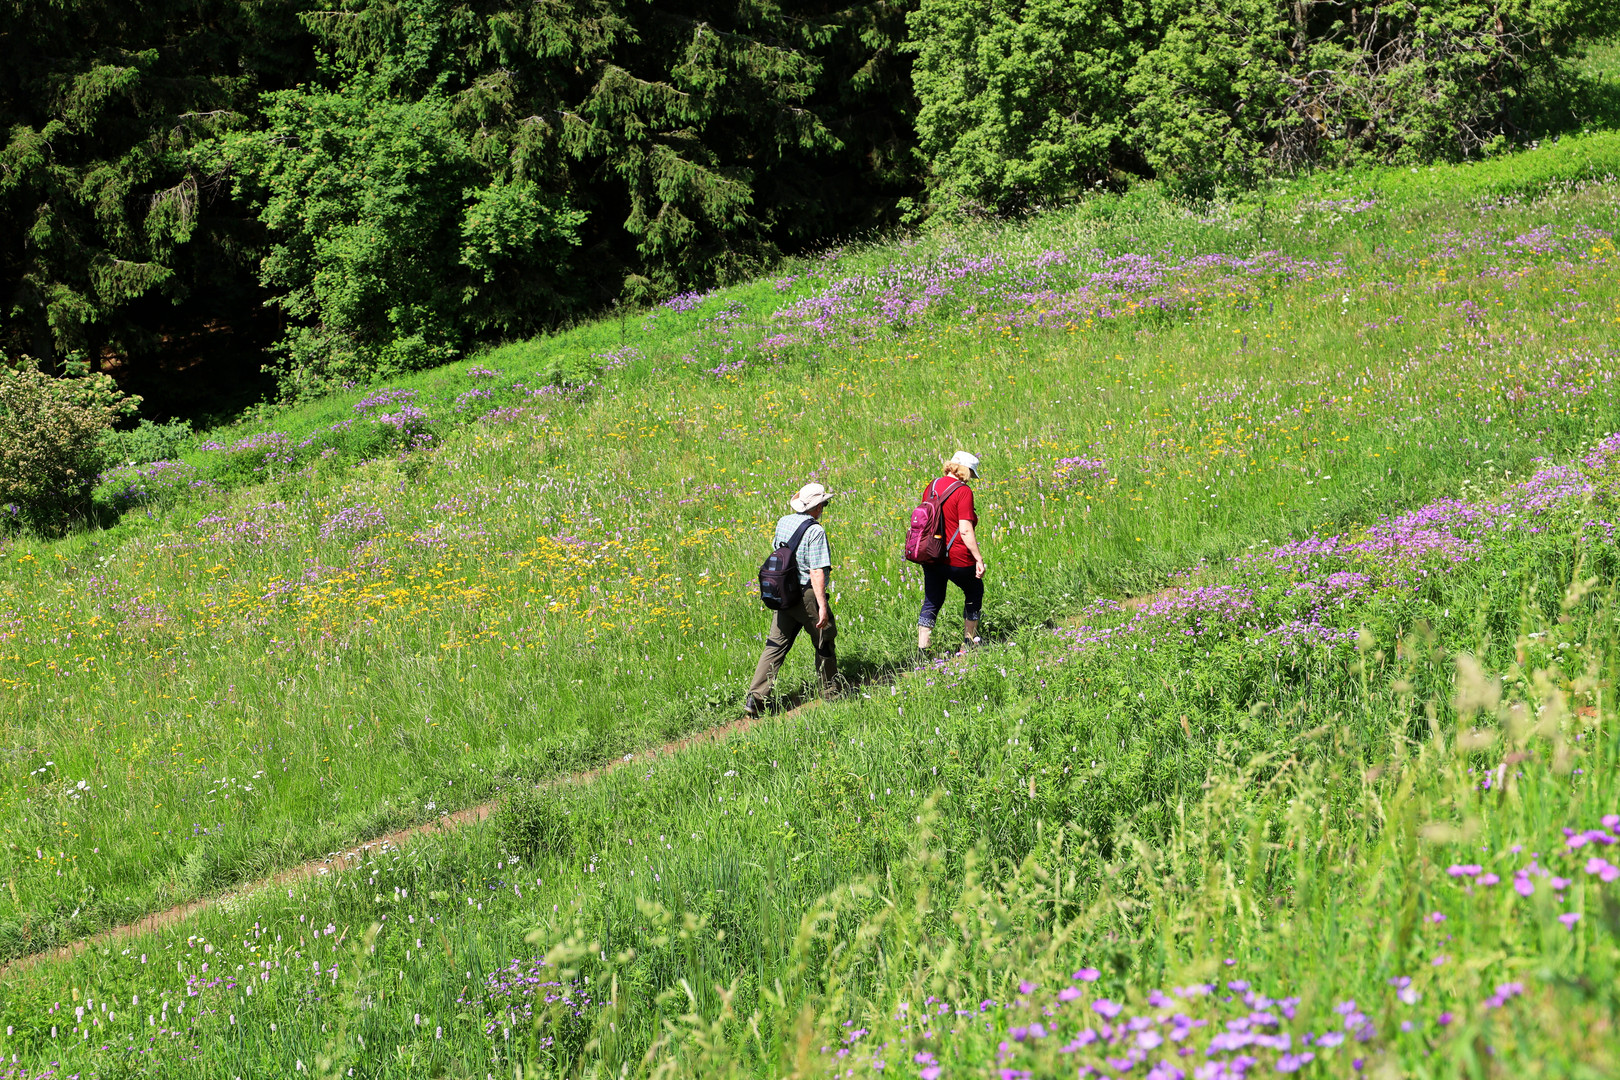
(785, 627)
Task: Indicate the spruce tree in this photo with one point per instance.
(566, 154)
(101, 208)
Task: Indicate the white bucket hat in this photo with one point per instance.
(962, 457)
(809, 497)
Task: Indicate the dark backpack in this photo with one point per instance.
(779, 586)
(925, 539)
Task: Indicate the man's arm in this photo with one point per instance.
(818, 585)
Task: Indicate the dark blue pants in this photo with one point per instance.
(936, 577)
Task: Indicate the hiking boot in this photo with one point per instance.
(968, 645)
(753, 708)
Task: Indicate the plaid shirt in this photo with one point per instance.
(814, 551)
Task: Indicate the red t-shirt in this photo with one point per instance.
(955, 510)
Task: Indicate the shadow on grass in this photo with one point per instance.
(860, 671)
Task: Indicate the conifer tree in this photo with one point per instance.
(674, 145)
(699, 136)
(100, 208)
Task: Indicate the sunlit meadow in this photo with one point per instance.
(1339, 435)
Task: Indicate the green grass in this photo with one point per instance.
(548, 590)
(1254, 832)
(1306, 217)
(537, 596)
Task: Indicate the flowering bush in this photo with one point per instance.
(50, 442)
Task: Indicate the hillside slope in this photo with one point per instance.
(286, 650)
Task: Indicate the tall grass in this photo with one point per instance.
(260, 674)
(262, 671)
(973, 838)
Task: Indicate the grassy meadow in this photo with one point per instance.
(1348, 438)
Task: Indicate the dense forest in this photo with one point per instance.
(373, 186)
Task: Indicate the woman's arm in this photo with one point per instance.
(971, 542)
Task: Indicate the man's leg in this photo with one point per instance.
(824, 640)
(784, 628)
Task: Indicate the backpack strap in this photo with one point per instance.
(931, 492)
(958, 531)
(798, 535)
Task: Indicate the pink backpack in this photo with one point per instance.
(925, 539)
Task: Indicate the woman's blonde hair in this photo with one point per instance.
(958, 470)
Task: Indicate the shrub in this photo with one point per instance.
(146, 442)
(51, 442)
(534, 822)
(1259, 85)
(1025, 102)
(1038, 109)
(572, 371)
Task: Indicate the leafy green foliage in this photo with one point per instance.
(1200, 95)
(50, 442)
(533, 823)
(146, 442)
(1021, 99)
(388, 235)
(1027, 101)
(1258, 85)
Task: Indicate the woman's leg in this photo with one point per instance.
(972, 587)
(934, 579)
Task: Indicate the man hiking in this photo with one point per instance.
(809, 611)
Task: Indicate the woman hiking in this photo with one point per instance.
(963, 564)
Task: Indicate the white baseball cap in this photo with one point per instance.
(809, 497)
(962, 457)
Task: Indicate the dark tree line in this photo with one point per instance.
(105, 220)
(375, 185)
(399, 178)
